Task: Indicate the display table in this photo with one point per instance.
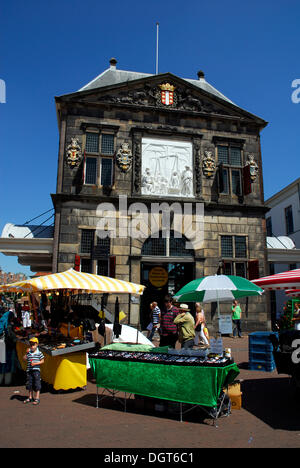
(191, 384)
(64, 369)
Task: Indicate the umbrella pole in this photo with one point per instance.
(218, 302)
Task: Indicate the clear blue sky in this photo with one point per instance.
(248, 50)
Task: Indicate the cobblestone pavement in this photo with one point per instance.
(269, 418)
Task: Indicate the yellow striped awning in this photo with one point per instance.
(75, 280)
(11, 287)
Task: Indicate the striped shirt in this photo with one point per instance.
(155, 315)
(167, 325)
(34, 356)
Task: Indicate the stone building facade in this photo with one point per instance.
(155, 160)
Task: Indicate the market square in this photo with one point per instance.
(150, 263)
(72, 420)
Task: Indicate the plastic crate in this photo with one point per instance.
(261, 347)
(261, 338)
(262, 366)
(263, 357)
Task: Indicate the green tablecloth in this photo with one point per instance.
(188, 384)
(129, 347)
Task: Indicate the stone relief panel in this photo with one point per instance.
(167, 168)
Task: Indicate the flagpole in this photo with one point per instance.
(157, 35)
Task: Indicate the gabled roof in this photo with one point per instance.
(111, 76)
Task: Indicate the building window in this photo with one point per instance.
(289, 222)
(90, 171)
(87, 240)
(92, 142)
(102, 267)
(86, 265)
(94, 253)
(166, 247)
(230, 166)
(106, 171)
(227, 246)
(107, 143)
(99, 153)
(234, 255)
(269, 226)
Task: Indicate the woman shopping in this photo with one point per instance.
(200, 325)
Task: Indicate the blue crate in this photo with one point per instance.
(261, 347)
(262, 366)
(261, 357)
(261, 337)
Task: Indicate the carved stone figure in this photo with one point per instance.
(208, 165)
(147, 182)
(253, 167)
(187, 182)
(124, 157)
(73, 153)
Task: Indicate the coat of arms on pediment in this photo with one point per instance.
(73, 153)
(124, 157)
(166, 96)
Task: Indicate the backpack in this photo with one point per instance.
(3, 322)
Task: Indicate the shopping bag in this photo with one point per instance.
(150, 326)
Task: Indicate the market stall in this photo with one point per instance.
(189, 377)
(63, 343)
(285, 346)
(218, 288)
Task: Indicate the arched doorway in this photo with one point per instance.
(166, 265)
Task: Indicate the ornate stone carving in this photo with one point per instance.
(197, 157)
(73, 153)
(137, 163)
(167, 168)
(165, 96)
(124, 157)
(253, 167)
(208, 165)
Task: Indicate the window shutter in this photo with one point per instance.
(247, 180)
(221, 178)
(77, 263)
(112, 266)
(253, 269)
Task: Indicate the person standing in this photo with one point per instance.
(155, 319)
(186, 324)
(236, 318)
(168, 329)
(200, 324)
(26, 320)
(296, 316)
(35, 359)
(8, 365)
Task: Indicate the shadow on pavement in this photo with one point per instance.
(273, 401)
(147, 406)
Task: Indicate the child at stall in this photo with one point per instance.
(35, 359)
